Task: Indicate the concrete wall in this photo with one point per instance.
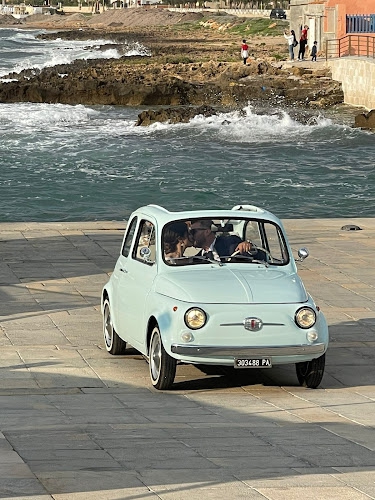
(357, 76)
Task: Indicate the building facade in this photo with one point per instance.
(328, 19)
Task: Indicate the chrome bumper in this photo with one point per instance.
(211, 351)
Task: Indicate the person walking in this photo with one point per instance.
(244, 51)
(290, 39)
(303, 43)
(314, 51)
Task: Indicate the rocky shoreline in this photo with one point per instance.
(185, 69)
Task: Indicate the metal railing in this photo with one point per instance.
(351, 45)
(363, 23)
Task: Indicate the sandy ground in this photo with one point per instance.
(115, 18)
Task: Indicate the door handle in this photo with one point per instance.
(123, 270)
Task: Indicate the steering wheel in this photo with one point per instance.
(252, 253)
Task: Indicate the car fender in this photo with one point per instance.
(107, 292)
(168, 313)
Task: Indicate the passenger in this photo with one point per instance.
(179, 236)
(214, 247)
(176, 240)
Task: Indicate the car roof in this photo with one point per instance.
(163, 216)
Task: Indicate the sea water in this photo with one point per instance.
(60, 162)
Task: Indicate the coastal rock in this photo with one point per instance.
(130, 82)
(173, 115)
(365, 120)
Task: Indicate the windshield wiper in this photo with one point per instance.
(238, 257)
(206, 259)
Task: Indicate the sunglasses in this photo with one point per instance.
(194, 230)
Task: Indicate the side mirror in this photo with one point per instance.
(303, 253)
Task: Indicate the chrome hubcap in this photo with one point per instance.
(155, 357)
(108, 327)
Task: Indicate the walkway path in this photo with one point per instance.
(76, 423)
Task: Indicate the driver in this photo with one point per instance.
(213, 247)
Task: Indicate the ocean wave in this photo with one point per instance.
(22, 50)
(248, 126)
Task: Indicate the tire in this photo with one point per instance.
(310, 373)
(162, 366)
(113, 343)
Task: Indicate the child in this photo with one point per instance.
(244, 51)
(314, 51)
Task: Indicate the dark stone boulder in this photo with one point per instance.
(173, 115)
(365, 120)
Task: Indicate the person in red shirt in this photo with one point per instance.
(244, 51)
(303, 43)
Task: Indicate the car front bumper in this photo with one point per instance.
(226, 354)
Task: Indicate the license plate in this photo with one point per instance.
(252, 363)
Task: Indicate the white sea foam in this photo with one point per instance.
(22, 50)
(249, 127)
(39, 117)
(246, 126)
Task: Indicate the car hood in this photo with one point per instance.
(219, 285)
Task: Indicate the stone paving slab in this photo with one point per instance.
(76, 423)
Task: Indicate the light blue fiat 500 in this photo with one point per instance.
(212, 287)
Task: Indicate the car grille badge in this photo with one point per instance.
(253, 324)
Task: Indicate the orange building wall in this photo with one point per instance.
(350, 7)
(354, 6)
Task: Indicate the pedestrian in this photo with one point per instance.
(314, 51)
(244, 51)
(290, 39)
(295, 43)
(303, 43)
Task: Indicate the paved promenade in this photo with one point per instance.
(78, 424)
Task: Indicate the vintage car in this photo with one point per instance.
(239, 303)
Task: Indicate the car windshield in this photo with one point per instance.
(229, 241)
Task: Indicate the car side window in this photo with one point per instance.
(144, 248)
(268, 236)
(252, 233)
(275, 244)
(129, 237)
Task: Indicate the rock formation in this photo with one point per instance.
(136, 81)
(365, 120)
(173, 115)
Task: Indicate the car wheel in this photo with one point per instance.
(162, 366)
(113, 343)
(310, 373)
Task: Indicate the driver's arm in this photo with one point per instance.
(243, 247)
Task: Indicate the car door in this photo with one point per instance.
(120, 281)
(138, 269)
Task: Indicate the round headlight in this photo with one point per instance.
(305, 317)
(195, 318)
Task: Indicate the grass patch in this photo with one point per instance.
(278, 56)
(240, 26)
(178, 59)
(265, 27)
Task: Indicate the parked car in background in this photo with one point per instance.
(278, 14)
(175, 303)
